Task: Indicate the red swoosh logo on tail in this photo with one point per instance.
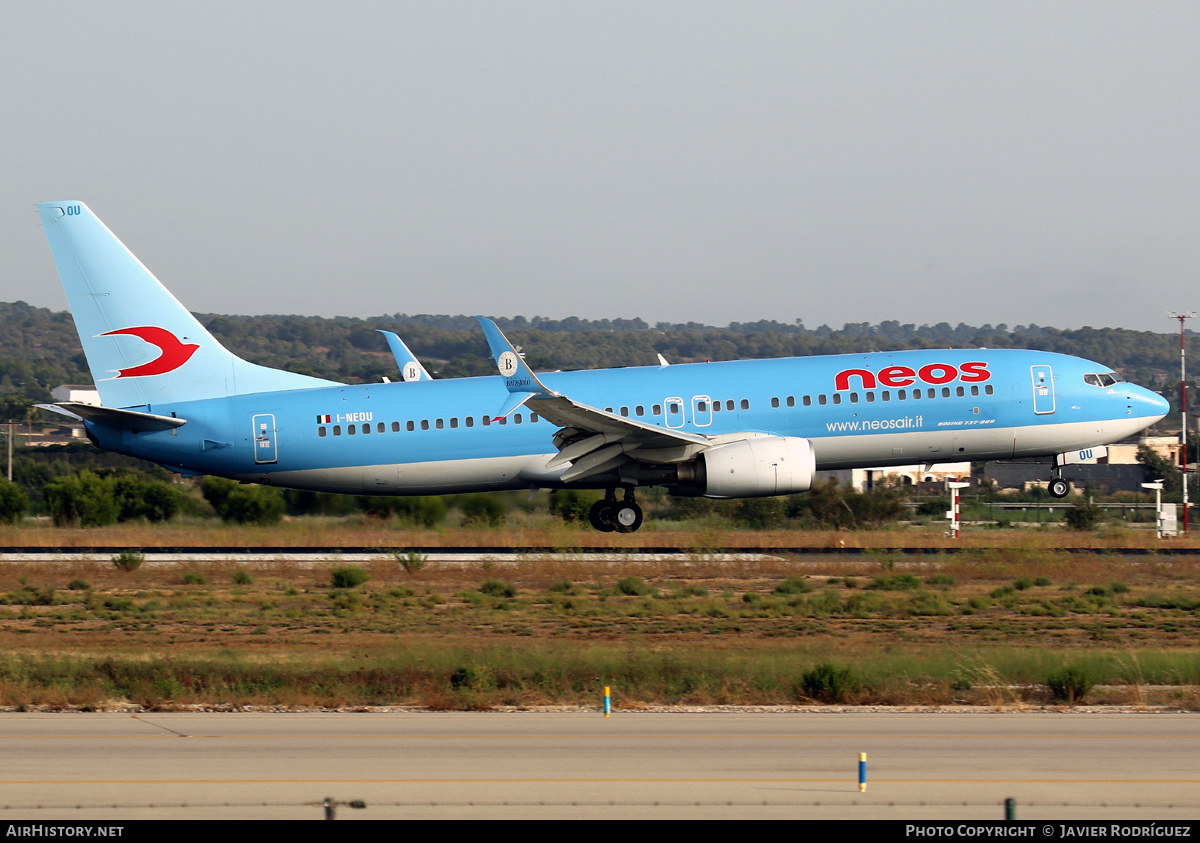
(174, 353)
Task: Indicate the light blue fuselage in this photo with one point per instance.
(1029, 404)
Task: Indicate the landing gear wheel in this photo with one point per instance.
(627, 517)
(1058, 488)
(601, 516)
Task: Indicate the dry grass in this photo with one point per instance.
(975, 629)
(547, 532)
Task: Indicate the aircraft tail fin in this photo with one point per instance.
(142, 345)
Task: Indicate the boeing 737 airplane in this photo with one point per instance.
(172, 394)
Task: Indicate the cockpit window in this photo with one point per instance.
(1103, 379)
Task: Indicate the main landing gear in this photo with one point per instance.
(610, 514)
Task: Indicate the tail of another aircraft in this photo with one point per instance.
(142, 345)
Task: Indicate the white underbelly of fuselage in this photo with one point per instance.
(953, 443)
(443, 477)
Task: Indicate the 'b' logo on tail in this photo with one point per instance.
(174, 353)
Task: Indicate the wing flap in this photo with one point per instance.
(596, 462)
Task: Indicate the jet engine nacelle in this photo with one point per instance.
(752, 468)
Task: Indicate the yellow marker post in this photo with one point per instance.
(607, 700)
(862, 772)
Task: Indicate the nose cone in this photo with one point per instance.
(1147, 404)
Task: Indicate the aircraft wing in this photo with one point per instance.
(590, 439)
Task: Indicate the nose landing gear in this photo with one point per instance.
(1058, 487)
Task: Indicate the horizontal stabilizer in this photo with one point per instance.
(112, 417)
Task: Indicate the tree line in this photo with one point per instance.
(39, 348)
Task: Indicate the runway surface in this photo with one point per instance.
(582, 765)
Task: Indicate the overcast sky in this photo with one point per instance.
(985, 162)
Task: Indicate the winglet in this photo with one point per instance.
(410, 368)
(518, 377)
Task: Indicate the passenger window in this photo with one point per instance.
(702, 407)
(657, 409)
(411, 427)
(533, 418)
(974, 390)
(774, 403)
(439, 424)
(504, 420)
(639, 410)
(853, 397)
(516, 418)
(337, 430)
(932, 392)
(366, 428)
(470, 421)
(453, 423)
(625, 412)
(916, 393)
(945, 392)
(674, 408)
(424, 424)
(729, 405)
(870, 397)
(745, 404)
(395, 427)
(381, 428)
(821, 400)
(351, 430)
(807, 400)
(791, 401)
(321, 432)
(960, 392)
(988, 389)
(887, 396)
(487, 421)
(837, 398)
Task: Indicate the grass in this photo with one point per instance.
(461, 676)
(1009, 624)
(544, 531)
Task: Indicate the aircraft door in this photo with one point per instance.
(1043, 390)
(264, 439)
(701, 410)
